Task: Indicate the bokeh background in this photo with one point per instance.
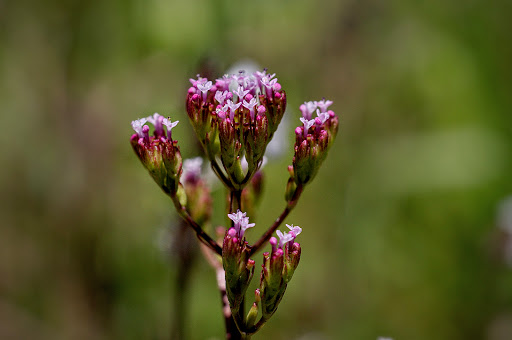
(407, 233)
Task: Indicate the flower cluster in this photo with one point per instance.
(158, 152)
(313, 139)
(236, 118)
(277, 270)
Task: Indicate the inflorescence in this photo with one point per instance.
(234, 118)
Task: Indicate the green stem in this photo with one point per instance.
(200, 233)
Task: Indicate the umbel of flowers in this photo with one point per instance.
(234, 118)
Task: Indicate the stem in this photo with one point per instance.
(266, 236)
(218, 171)
(216, 168)
(183, 246)
(237, 196)
(232, 332)
(256, 327)
(200, 233)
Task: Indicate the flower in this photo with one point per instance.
(307, 124)
(284, 238)
(170, 125)
(294, 230)
(323, 104)
(313, 140)
(249, 128)
(250, 106)
(241, 92)
(240, 222)
(137, 125)
(159, 154)
(232, 109)
(307, 109)
(323, 116)
(204, 88)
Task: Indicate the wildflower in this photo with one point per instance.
(313, 140)
(159, 154)
(323, 105)
(204, 88)
(307, 109)
(240, 223)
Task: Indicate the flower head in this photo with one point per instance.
(159, 154)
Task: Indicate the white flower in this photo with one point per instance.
(323, 105)
(295, 230)
(169, 125)
(284, 238)
(137, 125)
(307, 125)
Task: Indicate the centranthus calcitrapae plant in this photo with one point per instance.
(234, 118)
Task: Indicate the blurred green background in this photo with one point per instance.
(400, 226)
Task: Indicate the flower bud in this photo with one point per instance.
(238, 268)
(159, 154)
(313, 140)
(199, 201)
(278, 269)
(252, 315)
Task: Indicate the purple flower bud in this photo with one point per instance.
(273, 243)
(145, 133)
(261, 110)
(232, 232)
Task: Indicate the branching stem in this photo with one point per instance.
(266, 236)
(201, 234)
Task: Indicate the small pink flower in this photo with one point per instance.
(137, 125)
